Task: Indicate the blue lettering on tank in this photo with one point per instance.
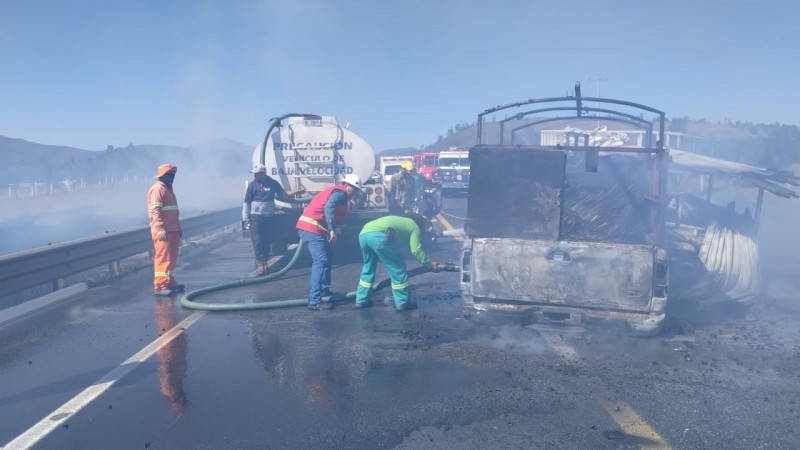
(303, 146)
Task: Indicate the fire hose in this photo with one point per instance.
(188, 300)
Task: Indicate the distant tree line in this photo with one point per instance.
(775, 145)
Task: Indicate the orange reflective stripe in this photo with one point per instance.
(313, 222)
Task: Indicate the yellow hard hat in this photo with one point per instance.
(408, 165)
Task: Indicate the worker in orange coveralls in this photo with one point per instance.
(165, 229)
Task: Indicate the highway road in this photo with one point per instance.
(117, 368)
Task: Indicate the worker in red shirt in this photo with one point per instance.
(317, 228)
(165, 229)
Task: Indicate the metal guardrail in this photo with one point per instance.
(53, 263)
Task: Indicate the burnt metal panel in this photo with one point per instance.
(612, 205)
(584, 275)
(515, 192)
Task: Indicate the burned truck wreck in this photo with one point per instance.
(584, 231)
(568, 233)
(713, 216)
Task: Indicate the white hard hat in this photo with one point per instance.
(259, 168)
(353, 180)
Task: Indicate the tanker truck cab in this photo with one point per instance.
(567, 234)
(453, 170)
(311, 152)
(390, 165)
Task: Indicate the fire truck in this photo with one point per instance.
(426, 164)
(453, 170)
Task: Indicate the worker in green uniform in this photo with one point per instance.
(382, 239)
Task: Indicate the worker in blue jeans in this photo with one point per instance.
(381, 239)
(317, 228)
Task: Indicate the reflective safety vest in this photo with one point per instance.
(162, 208)
(313, 218)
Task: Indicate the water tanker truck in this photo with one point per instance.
(312, 152)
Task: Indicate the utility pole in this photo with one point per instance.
(597, 92)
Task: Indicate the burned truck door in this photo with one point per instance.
(568, 231)
(544, 232)
(526, 205)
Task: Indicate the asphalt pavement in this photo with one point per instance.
(118, 368)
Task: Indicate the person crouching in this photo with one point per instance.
(382, 239)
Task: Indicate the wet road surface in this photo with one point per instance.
(374, 378)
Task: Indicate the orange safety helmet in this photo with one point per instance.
(165, 169)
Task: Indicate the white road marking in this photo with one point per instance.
(447, 226)
(39, 431)
(274, 260)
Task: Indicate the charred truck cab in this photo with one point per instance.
(570, 233)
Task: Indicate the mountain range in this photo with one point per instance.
(23, 161)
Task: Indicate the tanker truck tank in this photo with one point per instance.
(312, 153)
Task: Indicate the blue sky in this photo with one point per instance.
(93, 73)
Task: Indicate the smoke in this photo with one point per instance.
(210, 177)
(778, 241)
(513, 338)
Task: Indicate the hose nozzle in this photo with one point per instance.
(449, 267)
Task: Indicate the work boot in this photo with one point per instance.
(364, 304)
(261, 269)
(321, 306)
(163, 292)
(408, 306)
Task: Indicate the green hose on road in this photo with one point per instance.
(188, 300)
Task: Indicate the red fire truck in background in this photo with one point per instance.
(426, 164)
